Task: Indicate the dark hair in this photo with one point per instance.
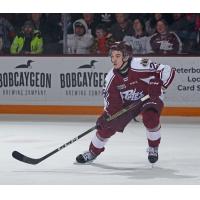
(123, 47)
(153, 20)
(141, 22)
(163, 21)
(101, 26)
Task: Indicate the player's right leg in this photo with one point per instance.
(152, 124)
(151, 120)
(96, 146)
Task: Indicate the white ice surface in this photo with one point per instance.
(123, 162)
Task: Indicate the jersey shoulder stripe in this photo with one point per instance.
(108, 80)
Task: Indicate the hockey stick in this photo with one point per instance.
(33, 161)
(17, 155)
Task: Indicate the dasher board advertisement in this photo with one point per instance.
(79, 80)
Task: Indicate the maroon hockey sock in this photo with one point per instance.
(154, 143)
(94, 150)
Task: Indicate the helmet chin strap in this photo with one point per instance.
(124, 68)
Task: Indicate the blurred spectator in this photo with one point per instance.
(139, 41)
(179, 24)
(81, 41)
(37, 20)
(66, 23)
(28, 41)
(40, 23)
(52, 29)
(197, 28)
(122, 27)
(165, 41)
(1, 45)
(91, 22)
(17, 20)
(192, 38)
(7, 33)
(50, 26)
(197, 22)
(150, 24)
(52, 33)
(184, 27)
(102, 41)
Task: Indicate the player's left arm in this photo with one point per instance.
(164, 75)
(146, 68)
(167, 74)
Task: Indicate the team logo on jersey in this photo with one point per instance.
(144, 62)
(121, 87)
(131, 95)
(165, 45)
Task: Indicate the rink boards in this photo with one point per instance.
(72, 85)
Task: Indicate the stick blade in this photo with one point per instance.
(18, 156)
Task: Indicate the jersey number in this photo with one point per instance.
(154, 65)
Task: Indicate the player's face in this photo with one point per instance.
(117, 59)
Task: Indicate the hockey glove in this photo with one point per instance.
(154, 89)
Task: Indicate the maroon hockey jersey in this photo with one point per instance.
(168, 43)
(120, 91)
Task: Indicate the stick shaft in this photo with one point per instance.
(68, 143)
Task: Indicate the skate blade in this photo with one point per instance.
(87, 163)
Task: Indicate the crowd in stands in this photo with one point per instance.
(93, 33)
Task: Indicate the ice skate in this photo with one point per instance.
(85, 157)
(152, 154)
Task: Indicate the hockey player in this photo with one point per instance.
(128, 81)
